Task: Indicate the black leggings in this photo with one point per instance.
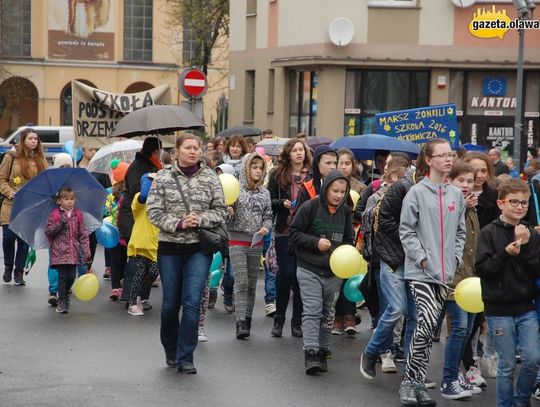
(66, 278)
(118, 264)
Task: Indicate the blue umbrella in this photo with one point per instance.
(36, 199)
(365, 146)
(474, 147)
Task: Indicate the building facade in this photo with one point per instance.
(120, 46)
(287, 74)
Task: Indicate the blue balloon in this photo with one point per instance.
(351, 289)
(108, 235)
(215, 278)
(216, 261)
(109, 190)
(68, 148)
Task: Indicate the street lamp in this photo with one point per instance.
(525, 11)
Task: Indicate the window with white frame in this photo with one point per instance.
(392, 3)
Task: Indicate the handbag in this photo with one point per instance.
(9, 176)
(212, 240)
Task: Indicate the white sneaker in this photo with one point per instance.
(488, 366)
(474, 377)
(202, 335)
(135, 310)
(270, 309)
(465, 385)
(388, 365)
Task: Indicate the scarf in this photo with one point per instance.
(189, 171)
(155, 162)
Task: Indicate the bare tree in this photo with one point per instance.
(203, 23)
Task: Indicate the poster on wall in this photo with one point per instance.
(420, 125)
(96, 112)
(81, 29)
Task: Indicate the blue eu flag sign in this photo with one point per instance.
(494, 86)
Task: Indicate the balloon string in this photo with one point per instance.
(438, 282)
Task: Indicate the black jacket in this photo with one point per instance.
(314, 221)
(487, 208)
(141, 165)
(387, 238)
(508, 287)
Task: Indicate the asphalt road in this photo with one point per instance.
(98, 355)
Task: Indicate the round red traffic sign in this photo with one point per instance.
(192, 83)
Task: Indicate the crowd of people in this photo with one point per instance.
(423, 227)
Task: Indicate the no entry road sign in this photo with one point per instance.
(192, 83)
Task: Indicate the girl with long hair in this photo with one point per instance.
(286, 180)
(17, 168)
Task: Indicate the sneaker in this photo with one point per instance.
(399, 355)
(488, 366)
(337, 328)
(349, 325)
(277, 329)
(367, 365)
(18, 277)
(270, 310)
(430, 384)
(387, 362)
(536, 391)
(146, 305)
(202, 335)
(188, 368)
(407, 394)
(423, 398)
(116, 293)
(53, 299)
(323, 359)
(465, 385)
(62, 308)
(107, 273)
(296, 329)
(135, 310)
(171, 362)
(7, 274)
(453, 391)
(474, 377)
(312, 362)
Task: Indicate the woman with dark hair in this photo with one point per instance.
(235, 149)
(185, 196)
(219, 145)
(286, 180)
(17, 168)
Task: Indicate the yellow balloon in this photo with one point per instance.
(231, 188)
(355, 196)
(86, 287)
(468, 295)
(346, 261)
(108, 219)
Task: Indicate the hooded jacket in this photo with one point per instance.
(314, 184)
(432, 228)
(314, 221)
(507, 282)
(386, 239)
(253, 209)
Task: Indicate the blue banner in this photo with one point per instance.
(420, 125)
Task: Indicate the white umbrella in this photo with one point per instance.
(273, 146)
(124, 151)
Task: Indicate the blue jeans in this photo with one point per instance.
(183, 278)
(12, 258)
(461, 326)
(510, 334)
(269, 277)
(399, 302)
(286, 281)
(227, 284)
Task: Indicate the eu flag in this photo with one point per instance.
(494, 86)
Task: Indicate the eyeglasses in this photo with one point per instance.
(445, 156)
(515, 203)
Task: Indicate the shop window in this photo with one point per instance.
(138, 16)
(371, 92)
(303, 103)
(15, 28)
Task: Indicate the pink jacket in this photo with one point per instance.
(67, 236)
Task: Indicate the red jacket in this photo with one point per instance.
(67, 236)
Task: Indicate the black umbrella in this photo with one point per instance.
(315, 142)
(156, 119)
(242, 130)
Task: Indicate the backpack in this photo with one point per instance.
(370, 223)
